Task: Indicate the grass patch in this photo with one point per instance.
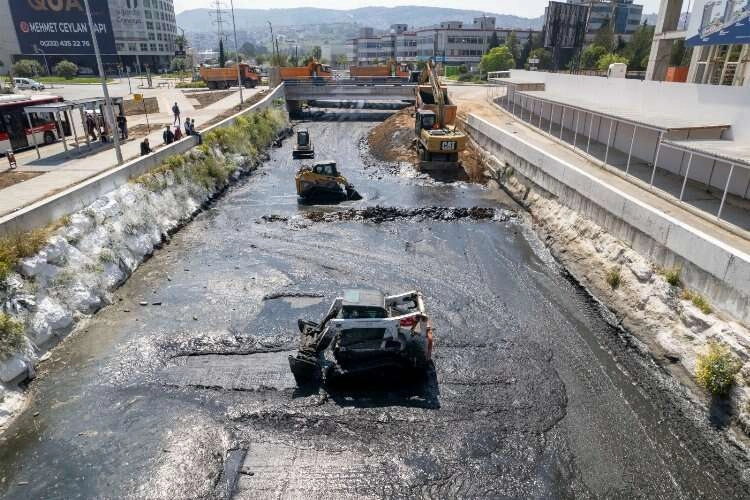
(12, 338)
(613, 278)
(78, 80)
(717, 369)
(698, 301)
(672, 275)
(19, 246)
(191, 85)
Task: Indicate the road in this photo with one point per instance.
(533, 393)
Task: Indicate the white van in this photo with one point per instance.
(27, 83)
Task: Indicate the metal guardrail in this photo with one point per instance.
(513, 99)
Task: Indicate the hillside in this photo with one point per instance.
(376, 17)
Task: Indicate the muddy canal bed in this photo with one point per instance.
(532, 393)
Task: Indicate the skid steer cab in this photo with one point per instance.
(364, 334)
(304, 147)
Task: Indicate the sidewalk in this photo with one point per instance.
(62, 172)
(473, 100)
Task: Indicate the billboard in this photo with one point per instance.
(565, 25)
(60, 27)
(128, 20)
(719, 22)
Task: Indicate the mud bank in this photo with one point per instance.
(95, 250)
(674, 329)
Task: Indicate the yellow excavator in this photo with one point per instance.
(439, 142)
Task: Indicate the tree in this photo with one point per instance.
(493, 42)
(498, 59)
(178, 64)
(525, 52)
(639, 47)
(26, 68)
(605, 37)
(66, 69)
(544, 56)
(181, 42)
(342, 60)
(611, 58)
(260, 59)
(248, 49)
(591, 55)
(512, 43)
(317, 52)
(222, 55)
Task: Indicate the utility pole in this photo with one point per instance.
(218, 12)
(237, 53)
(273, 48)
(108, 114)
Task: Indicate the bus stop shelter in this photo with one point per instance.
(66, 110)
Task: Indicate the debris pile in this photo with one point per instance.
(380, 214)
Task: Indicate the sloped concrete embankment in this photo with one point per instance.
(94, 250)
(583, 230)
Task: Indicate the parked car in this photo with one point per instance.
(27, 83)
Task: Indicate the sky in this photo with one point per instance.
(524, 8)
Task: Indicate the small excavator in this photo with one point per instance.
(439, 142)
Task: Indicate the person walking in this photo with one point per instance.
(168, 135)
(145, 147)
(176, 111)
(177, 133)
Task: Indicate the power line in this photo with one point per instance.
(218, 12)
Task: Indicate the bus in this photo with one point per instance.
(15, 133)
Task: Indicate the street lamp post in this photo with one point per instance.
(44, 56)
(236, 52)
(109, 115)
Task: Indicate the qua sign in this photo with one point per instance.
(61, 27)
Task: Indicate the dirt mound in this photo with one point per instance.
(393, 141)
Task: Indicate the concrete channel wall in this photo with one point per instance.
(75, 198)
(709, 266)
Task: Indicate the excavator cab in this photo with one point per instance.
(425, 120)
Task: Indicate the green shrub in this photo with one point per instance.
(673, 276)
(27, 68)
(191, 85)
(12, 338)
(698, 301)
(66, 69)
(716, 370)
(613, 278)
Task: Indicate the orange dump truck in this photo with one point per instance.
(223, 78)
(312, 70)
(388, 71)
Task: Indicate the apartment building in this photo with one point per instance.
(450, 43)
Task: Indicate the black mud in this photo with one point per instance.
(533, 393)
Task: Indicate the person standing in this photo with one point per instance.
(176, 111)
(91, 126)
(122, 124)
(168, 135)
